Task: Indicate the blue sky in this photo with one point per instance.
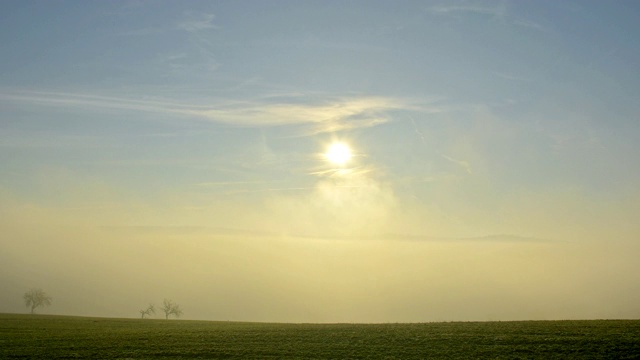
(483, 132)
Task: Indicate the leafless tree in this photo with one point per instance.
(148, 311)
(35, 298)
(170, 308)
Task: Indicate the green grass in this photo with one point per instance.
(61, 337)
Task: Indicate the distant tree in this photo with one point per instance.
(148, 311)
(170, 308)
(35, 298)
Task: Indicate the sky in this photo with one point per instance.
(179, 150)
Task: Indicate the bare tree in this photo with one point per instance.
(35, 298)
(148, 311)
(170, 308)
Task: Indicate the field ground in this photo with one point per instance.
(58, 337)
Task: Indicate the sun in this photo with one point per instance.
(338, 153)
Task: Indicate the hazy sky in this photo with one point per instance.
(177, 149)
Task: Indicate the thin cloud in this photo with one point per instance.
(418, 132)
(423, 238)
(227, 183)
(84, 101)
(344, 173)
(461, 163)
(329, 116)
(321, 114)
(529, 24)
(512, 77)
(24, 141)
(496, 11)
(142, 32)
(195, 23)
(507, 238)
(265, 190)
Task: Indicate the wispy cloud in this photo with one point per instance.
(320, 114)
(529, 24)
(464, 164)
(197, 22)
(226, 183)
(245, 187)
(493, 10)
(325, 116)
(486, 238)
(89, 102)
(497, 10)
(190, 22)
(11, 139)
(196, 26)
(142, 32)
(512, 77)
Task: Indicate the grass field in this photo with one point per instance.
(61, 337)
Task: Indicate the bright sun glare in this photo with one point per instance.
(338, 153)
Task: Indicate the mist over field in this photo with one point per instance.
(219, 274)
(321, 161)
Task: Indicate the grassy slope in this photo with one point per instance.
(56, 337)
